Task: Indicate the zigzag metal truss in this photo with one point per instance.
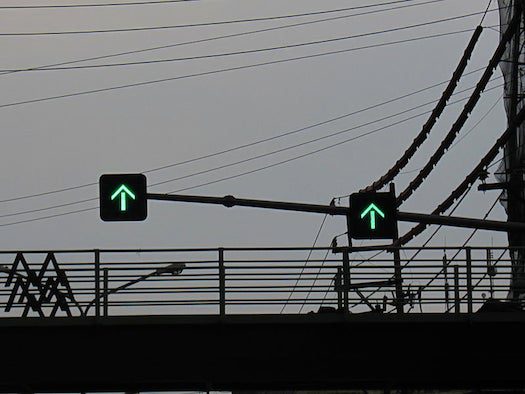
(36, 290)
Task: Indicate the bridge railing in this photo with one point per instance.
(252, 280)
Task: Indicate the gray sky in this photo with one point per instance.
(72, 141)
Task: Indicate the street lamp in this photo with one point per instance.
(173, 269)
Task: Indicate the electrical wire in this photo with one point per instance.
(439, 227)
(305, 264)
(330, 135)
(93, 91)
(183, 189)
(474, 127)
(170, 27)
(264, 155)
(449, 261)
(430, 123)
(463, 117)
(313, 284)
(486, 10)
(250, 144)
(92, 5)
(223, 70)
(215, 38)
(114, 4)
(234, 53)
(234, 176)
(469, 179)
(489, 111)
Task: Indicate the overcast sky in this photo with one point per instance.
(68, 142)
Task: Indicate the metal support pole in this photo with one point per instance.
(491, 271)
(445, 272)
(457, 300)
(338, 288)
(514, 171)
(468, 253)
(222, 283)
(397, 267)
(97, 283)
(346, 280)
(399, 281)
(106, 292)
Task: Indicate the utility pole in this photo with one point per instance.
(514, 165)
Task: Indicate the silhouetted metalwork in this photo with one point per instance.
(227, 281)
(36, 290)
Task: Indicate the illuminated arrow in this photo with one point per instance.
(124, 192)
(372, 209)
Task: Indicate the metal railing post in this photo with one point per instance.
(445, 272)
(468, 253)
(398, 275)
(222, 283)
(106, 292)
(97, 283)
(399, 281)
(491, 271)
(457, 300)
(346, 280)
(338, 288)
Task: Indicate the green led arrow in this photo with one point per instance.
(372, 209)
(123, 192)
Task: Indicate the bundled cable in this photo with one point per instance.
(463, 117)
(469, 179)
(436, 113)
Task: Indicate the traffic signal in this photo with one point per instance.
(373, 216)
(123, 197)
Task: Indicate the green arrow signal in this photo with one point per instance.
(372, 209)
(123, 192)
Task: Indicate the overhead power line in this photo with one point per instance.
(170, 27)
(333, 134)
(223, 70)
(449, 261)
(470, 130)
(463, 117)
(216, 38)
(241, 174)
(486, 11)
(478, 122)
(91, 5)
(250, 144)
(304, 266)
(243, 52)
(469, 179)
(458, 203)
(429, 124)
(128, 3)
